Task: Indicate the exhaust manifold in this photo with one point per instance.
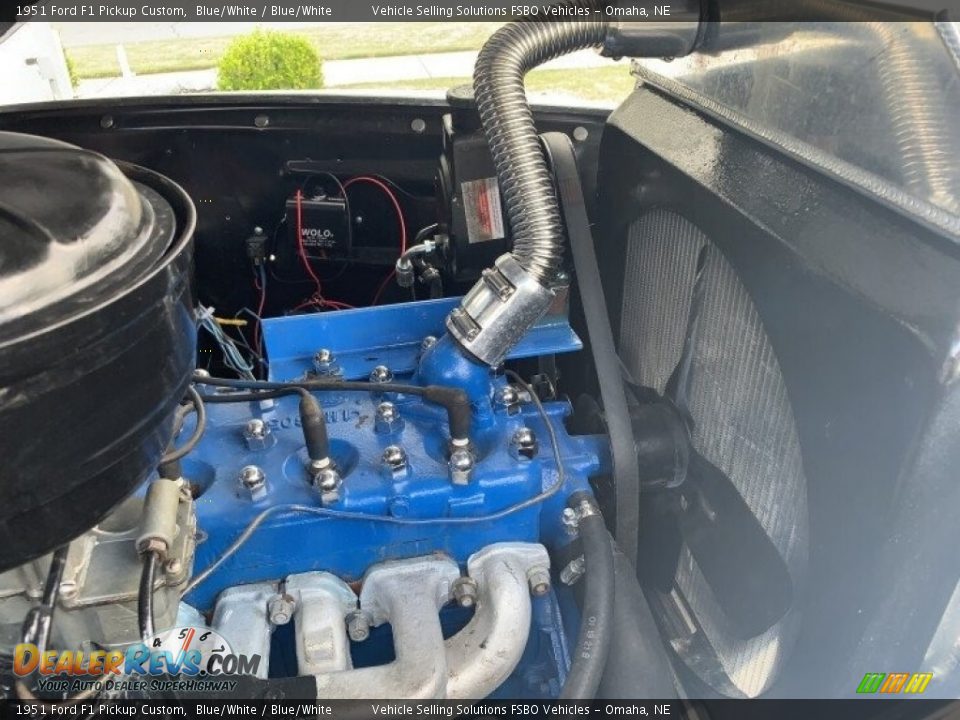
(407, 594)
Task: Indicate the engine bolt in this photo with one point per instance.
(201, 373)
(328, 481)
(257, 434)
(524, 443)
(388, 418)
(68, 588)
(570, 520)
(325, 363)
(539, 580)
(461, 465)
(254, 481)
(173, 566)
(381, 374)
(394, 458)
(507, 398)
(358, 627)
(464, 591)
(281, 609)
(573, 571)
(428, 342)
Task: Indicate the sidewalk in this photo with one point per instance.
(337, 73)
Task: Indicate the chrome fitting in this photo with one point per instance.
(464, 591)
(387, 419)
(328, 481)
(498, 310)
(254, 482)
(358, 626)
(280, 609)
(524, 444)
(394, 459)
(573, 571)
(257, 435)
(538, 578)
(381, 374)
(571, 521)
(325, 363)
(461, 465)
(404, 272)
(507, 399)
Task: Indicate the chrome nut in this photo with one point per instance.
(254, 482)
(387, 419)
(461, 465)
(328, 482)
(464, 591)
(539, 579)
(524, 444)
(358, 626)
(507, 399)
(381, 374)
(257, 435)
(394, 459)
(281, 609)
(325, 363)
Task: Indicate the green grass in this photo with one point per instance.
(334, 41)
(608, 84)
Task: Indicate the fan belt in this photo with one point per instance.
(626, 472)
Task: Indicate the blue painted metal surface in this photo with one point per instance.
(289, 543)
(389, 335)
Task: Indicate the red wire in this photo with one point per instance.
(403, 225)
(383, 286)
(393, 199)
(302, 249)
(263, 301)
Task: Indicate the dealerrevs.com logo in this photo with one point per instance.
(188, 658)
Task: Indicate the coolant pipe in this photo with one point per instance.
(446, 364)
(512, 295)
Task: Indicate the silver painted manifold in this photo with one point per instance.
(408, 594)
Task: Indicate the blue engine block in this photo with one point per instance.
(289, 542)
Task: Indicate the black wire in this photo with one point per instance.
(454, 400)
(237, 397)
(36, 630)
(182, 451)
(36, 626)
(145, 596)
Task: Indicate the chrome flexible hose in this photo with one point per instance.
(525, 182)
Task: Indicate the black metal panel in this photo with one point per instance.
(860, 303)
(230, 152)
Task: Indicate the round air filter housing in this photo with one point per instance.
(97, 336)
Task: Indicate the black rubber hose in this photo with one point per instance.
(453, 400)
(638, 665)
(314, 426)
(596, 622)
(181, 452)
(145, 596)
(36, 626)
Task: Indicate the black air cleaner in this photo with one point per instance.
(97, 336)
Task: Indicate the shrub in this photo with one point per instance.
(270, 60)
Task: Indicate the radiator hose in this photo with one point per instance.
(517, 291)
(596, 623)
(525, 181)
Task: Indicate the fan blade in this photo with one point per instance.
(740, 563)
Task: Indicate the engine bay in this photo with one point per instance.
(339, 398)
